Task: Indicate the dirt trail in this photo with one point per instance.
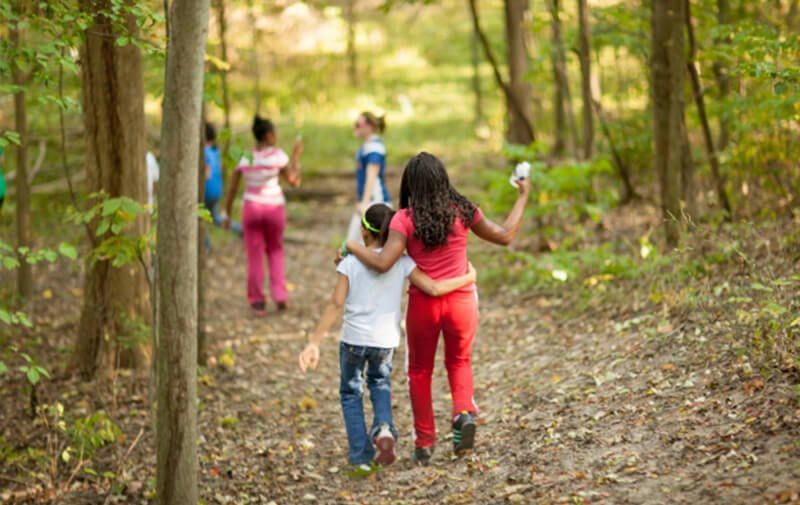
(620, 405)
(601, 409)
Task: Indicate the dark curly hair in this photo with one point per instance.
(434, 202)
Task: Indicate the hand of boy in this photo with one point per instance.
(472, 272)
(309, 357)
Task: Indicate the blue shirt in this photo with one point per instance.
(373, 151)
(214, 181)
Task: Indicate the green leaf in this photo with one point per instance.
(68, 250)
(5, 317)
(3, 368)
(33, 375)
(10, 263)
(104, 225)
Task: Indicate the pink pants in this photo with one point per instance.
(455, 316)
(263, 227)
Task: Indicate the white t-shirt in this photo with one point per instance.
(372, 308)
(152, 176)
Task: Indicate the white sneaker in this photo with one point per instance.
(384, 445)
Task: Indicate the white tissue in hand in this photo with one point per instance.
(521, 171)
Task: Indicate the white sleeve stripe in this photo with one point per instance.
(374, 147)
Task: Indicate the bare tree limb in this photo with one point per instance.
(496, 70)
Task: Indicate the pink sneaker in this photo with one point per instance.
(384, 446)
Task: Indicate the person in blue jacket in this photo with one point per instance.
(213, 192)
(370, 169)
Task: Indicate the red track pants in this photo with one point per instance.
(456, 317)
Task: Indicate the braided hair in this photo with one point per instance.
(434, 202)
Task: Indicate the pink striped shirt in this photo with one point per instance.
(261, 177)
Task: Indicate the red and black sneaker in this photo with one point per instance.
(464, 432)
(384, 445)
(259, 308)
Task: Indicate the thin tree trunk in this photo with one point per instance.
(722, 75)
(517, 69)
(113, 104)
(176, 462)
(18, 78)
(694, 79)
(688, 193)
(563, 94)
(623, 169)
(667, 90)
(201, 246)
(791, 16)
(226, 101)
(254, 64)
(510, 97)
(584, 54)
(559, 112)
(352, 56)
(476, 77)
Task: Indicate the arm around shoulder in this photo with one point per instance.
(381, 261)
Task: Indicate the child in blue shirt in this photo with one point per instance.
(370, 302)
(370, 168)
(213, 190)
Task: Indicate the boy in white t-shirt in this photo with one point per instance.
(370, 334)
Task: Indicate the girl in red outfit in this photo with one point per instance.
(433, 224)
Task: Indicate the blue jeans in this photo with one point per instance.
(212, 207)
(378, 361)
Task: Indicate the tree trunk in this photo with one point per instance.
(694, 79)
(256, 45)
(113, 105)
(584, 54)
(176, 462)
(668, 68)
(18, 78)
(509, 95)
(563, 106)
(350, 19)
(688, 190)
(515, 11)
(623, 169)
(226, 101)
(722, 75)
(201, 247)
(476, 77)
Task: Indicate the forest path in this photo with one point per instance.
(609, 407)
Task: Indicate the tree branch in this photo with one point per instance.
(510, 96)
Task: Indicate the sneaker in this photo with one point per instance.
(464, 432)
(282, 305)
(363, 470)
(422, 455)
(259, 308)
(384, 445)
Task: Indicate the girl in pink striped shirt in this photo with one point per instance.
(264, 213)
